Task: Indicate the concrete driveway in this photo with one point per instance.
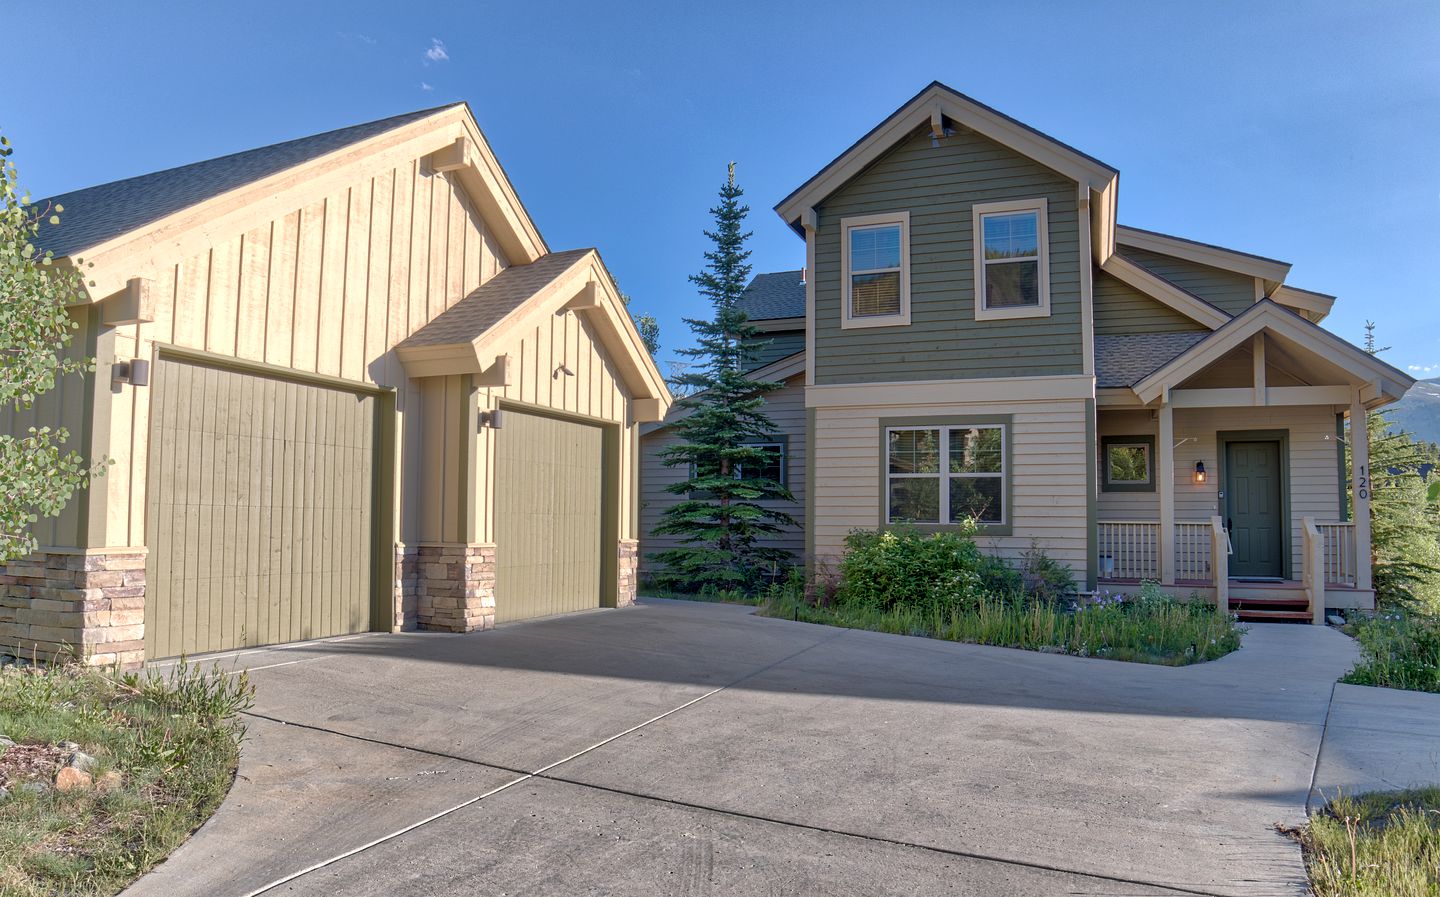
(679, 748)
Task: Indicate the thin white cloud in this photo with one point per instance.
(362, 38)
(426, 86)
(1424, 368)
(437, 52)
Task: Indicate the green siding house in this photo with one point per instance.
(976, 336)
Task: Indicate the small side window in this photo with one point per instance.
(1127, 463)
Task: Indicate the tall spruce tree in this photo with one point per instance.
(720, 520)
(1404, 522)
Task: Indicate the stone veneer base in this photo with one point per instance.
(627, 574)
(82, 604)
(454, 587)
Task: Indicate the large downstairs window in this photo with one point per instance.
(1012, 271)
(876, 277)
(945, 474)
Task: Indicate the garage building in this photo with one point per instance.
(344, 386)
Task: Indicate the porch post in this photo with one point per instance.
(1360, 489)
(1165, 474)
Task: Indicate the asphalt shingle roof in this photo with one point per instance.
(96, 214)
(493, 300)
(777, 295)
(1124, 359)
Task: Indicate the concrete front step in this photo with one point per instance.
(1257, 615)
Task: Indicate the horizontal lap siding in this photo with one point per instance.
(786, 408)
(1048, 465)
(1230, 291)
(1122, 309)
(938, 187)
(778, 345)
(329, 288)
(1314, 478)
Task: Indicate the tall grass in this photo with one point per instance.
(1398, 651)
(1382, 844)
(1155, 630)
(173, 738)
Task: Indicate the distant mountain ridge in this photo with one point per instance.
(1419, 412)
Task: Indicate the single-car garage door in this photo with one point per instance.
(259, 510)
(549, 484)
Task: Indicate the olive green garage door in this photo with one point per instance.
(549, 496)
(259, 510)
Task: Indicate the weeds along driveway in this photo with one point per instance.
(679, 748)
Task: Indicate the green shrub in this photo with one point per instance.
(1398, 650)
(998, 579)
(903, 567)
(1044, 578)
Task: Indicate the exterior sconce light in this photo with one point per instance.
(1200, 475)
(135, 372)
(495, 420)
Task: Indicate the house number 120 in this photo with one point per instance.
(1364, 484)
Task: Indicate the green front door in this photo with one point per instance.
(1253, 478)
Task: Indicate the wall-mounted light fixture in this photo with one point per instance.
(495, 420)
(1200, 475)
(135, 372)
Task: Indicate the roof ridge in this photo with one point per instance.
(414, 115)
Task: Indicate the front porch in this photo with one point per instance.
(1223, 470)
(1129, 554)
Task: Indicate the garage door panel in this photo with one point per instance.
(548, 516)
(259, 510)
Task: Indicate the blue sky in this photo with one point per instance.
(1308, 132)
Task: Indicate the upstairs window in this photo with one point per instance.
(876, 260)
(1012, 272)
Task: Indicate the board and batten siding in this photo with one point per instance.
(1049, 456)
(329, 288)
(938, 186)
(593, 390)
(64, 406)
(1225, 289)
(1314, 476)
(786, 408)
(1122, 309)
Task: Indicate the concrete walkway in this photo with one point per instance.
(679, 748)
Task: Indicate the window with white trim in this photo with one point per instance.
(1012, 270)
(945, 474)
(876, 262)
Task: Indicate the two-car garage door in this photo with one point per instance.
(261, 502)
(259, 508)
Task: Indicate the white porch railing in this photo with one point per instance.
(1193, 547)
(1129, 549)
(1337, 552)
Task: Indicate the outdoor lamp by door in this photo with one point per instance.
(1199, 473)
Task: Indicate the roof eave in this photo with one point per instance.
(934, 101)
(1381, 383)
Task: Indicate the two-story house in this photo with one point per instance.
(983, 339)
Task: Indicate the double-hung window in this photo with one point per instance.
(945, 474)
(875, 251)
(1012, 270)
